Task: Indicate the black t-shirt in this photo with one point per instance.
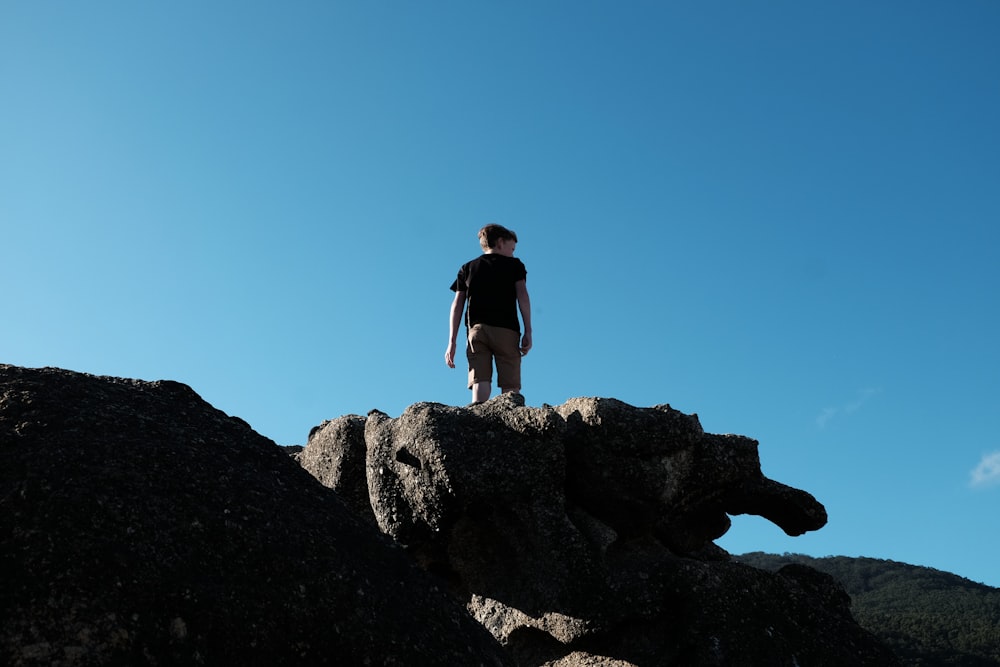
(489, 282)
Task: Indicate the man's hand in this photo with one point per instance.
(525, 343)
(449, 355)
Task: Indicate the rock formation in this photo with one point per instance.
(582, 534)
(141, 526)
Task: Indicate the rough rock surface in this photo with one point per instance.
(582, 534)
(141, 526)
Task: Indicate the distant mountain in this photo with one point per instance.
(928, 617)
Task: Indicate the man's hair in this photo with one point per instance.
(490, 234)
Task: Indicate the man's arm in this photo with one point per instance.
(457, 307)
(524, 305)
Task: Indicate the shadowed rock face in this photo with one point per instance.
(655, 471)
(141, 526)
(582, 534)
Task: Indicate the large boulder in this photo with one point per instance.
(583, 534)
(141, 526)
(479, 496)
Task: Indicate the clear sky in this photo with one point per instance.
(783, 216)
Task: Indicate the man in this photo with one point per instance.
(493, 286)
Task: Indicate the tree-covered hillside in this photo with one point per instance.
(928, 617)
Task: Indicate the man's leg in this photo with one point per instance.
(480, 364)
(481, 391)
(508, 358)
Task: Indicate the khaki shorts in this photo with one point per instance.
(486, 343)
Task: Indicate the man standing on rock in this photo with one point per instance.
(494, 287)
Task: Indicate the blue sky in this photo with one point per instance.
(781, 216)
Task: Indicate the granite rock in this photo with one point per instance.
(583, 534)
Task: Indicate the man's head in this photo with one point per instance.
(491, 235)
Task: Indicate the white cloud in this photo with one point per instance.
(987, 472)
(862, 397)
(825, 416)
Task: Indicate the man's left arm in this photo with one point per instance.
(524, 305)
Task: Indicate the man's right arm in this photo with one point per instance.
(457, 307)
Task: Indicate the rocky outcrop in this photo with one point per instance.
(583, 534)
(141, 526)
